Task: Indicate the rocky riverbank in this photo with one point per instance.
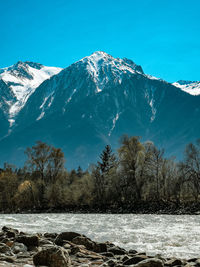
(169, 208)
(73, 249)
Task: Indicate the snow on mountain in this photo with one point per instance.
(102, 67)
(90, 104)
(191, 87)
(23, 78)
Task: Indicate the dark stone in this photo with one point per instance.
(150, 263)
(173, 262)
(68, 236)
(81, 240)
(100, 247)
(50, 235)
(29, 241)
(111, 263)
(192, 260)
(7, 229)
(9, 232)
(5, 249)
(52, 257)
(135, 260)
(132, 251)
(108, 254)
(124, 258)
(117, 251)
(7, 258)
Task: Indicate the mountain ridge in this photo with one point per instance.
(94, 101)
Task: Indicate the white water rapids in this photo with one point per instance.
(168, 235)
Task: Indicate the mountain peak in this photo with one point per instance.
(103, 67)
(22, 79)
(101, 53)
(98, 55)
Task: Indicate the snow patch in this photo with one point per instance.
(149, 94)
(152, 77)
(114, 123)
(70, 98)
(41, 116)
(192, 88)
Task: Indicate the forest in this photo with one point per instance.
(137, 178)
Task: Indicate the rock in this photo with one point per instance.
(6, 258)
(81, 240)
(4, 249)
(150, 263)
(111, 262)
(89, 244)
(9, 243)
(190, 264)
(135, 260)
(173, 262)
(100, 247)
(192, 259)
(117, 250)
(124, 258)
(18, 247)
(52, 257)
(10, 232)
(44, 241)
(50, 235)
(132, 251)
(29, 241)
(68, 236)
(108, 254)
(7, 229)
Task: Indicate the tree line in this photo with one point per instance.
(138, 174)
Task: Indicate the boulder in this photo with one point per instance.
(108, 254)
(7, 259)
(29, 241)
(4, 249)
(50, 235)
(117, 250)
(135, 260)
(52, 257)
(132, 251)
(197, 262)
(173, 262)
(192, 260)
(81, 240)
(44, 241)
(100, 247)
(150, 263)
(9, 232)
(65, 236)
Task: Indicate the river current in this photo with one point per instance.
(168, 235)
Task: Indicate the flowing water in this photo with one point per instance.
(168, 235)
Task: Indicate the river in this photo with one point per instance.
(168, 235)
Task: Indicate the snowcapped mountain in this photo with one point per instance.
(22, 79)
(190, 87)
(92, 103)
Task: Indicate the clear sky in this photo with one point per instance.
(161, 35)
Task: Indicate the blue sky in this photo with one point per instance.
(161, 35)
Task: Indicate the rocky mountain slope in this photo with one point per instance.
(18, 82)
(92, 103)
